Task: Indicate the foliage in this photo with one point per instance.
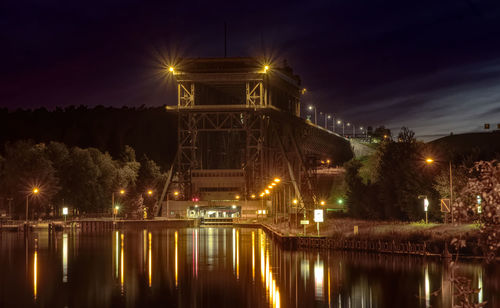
(484, 181)
(82, 179)
(398, 176)
(26, 167)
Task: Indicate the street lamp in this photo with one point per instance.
(311, 107)
(429, 161)
(65, 213)
(33, 192)
(122, 192)
(176, 194)
(343, 127)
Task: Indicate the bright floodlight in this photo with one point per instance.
(117, 207)
(65, 211)
(237, 197)
(339, 122)
(267, 192)
(171, 69)
(252, 196)
(311, 107)
(35, 190)
(322, 202)
(122, 192)
(150, 192)
(429, 160)
(176, 193)
(266, 68)
(277, 180)
(295, 201)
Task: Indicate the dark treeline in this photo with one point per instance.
(82, 179)
(151, 131)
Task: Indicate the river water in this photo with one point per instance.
(219, 267)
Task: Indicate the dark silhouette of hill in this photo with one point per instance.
(151, 131)
(478, 146)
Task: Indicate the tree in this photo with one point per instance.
(484, 181)
(26, 167)
(401, 177)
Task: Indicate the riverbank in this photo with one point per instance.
(382, 237)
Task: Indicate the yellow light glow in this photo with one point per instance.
(150, 260)
(277, 180)
(35, 264)
(270, 186)
(327, 161)
(253, 256)
(252, 196)
(262, 194)
(267, 192)
(237, 197)
(295, 201)
(176, 261)
(122, 264)
(429, 160)
(117, 261)
(171, 69)
(35, 190)
(273, 184)
(150, 192)
(266, 68)
(176, 193)
(237, 254)
(122, 191)
(65, 257)
(322, 202)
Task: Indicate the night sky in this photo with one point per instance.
(433, 66)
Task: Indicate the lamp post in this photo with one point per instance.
(311, 107)
(348, 124)
(113, 208)
(65, 213)
(430, 161)
(34, 191)
(343, 127)
(176, 193)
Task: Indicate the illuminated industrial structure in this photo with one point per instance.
(239, 127)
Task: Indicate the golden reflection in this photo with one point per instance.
(122, 265)
(262, 258)
(65, 257)
(150, 262)
(480, 286)
(277, 297)
(176, 261)
(318, 279)
(117, 261)
(329, 294)
(237, 254)
(196, 250)
(427, 287)
(35, 264)
(253, 256)
(267, 270)
(144, 251)
(234, 249)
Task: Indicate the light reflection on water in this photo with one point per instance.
(190, 267)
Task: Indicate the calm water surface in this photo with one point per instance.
(217, 267)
